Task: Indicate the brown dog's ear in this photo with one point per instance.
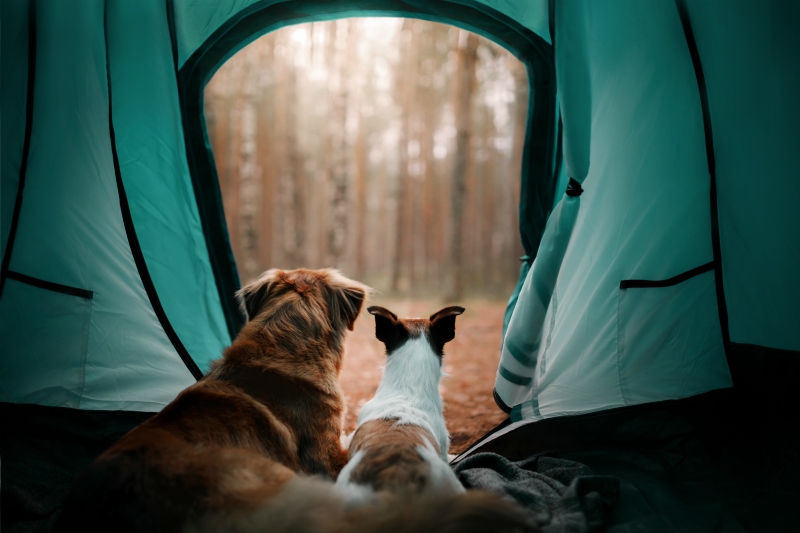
(385, 322)
(354, 297)
(345, 298)
(253, 296)
(443, 324)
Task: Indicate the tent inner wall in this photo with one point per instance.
(635, 129)
(153, 166)
(13, 88)
(749, 52)
(79, 327)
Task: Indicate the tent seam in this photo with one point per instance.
(712, 171)
(26, 145)
(130, 230)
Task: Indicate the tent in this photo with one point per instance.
(654, 333)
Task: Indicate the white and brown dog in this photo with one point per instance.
(401, 442)
(398, 453)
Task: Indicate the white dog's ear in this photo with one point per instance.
(443, 324)
(385, 322)
(253, 296)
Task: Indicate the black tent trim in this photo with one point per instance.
(50, 286)
(559, 153)
(503, 407)
(675, 280)
(538, 181)
(26, 144)
(130, 230)
(206, 190)
(712, 171)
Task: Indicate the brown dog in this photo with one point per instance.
(270, 407)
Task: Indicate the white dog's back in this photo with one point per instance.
(401, 441)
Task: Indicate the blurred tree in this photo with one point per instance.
(464, 82)
(387, 147)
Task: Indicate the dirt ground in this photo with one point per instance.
(470, 360)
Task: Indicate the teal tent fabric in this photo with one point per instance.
(197, 21)
(157, 179)
(13, 89)
(117, 260)
(115, 353)
(749, 53)
(112, 350)
(633, 127)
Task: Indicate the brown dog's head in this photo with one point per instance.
(312, 297)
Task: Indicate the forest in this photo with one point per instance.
(389, 148)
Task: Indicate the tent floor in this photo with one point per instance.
(691, 465)
(43, 449)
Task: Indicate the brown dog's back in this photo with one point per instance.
(226, 445)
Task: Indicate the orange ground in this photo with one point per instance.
(470, 360)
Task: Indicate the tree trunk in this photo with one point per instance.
(464, 82)
(291, 212)
(345, 43)
(249, 172)
(404, 90)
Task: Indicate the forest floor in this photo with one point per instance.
(470, 361)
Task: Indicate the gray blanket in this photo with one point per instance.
(562, 495)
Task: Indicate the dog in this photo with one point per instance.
(268, 409)
(401, 442)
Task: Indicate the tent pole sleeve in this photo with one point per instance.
(26, 144)
(130, 231)
(712, 171)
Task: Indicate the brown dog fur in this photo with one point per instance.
(270, 407)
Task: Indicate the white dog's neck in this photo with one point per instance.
(409, 391)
